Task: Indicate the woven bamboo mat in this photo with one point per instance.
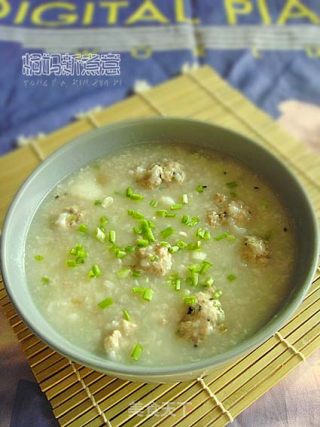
(82, 397)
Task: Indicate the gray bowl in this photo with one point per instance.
(115, 137)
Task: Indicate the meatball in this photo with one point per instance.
(201, 318)
(69, 218)
(155, 259)
(213, 218)
(255, 249)
(116, 338)
(158, 173)
(238, 211)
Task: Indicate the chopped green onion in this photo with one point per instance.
(103, 221)
(105, 303)
(225, 235)
(194, 246)
(142, 243)
(45, 280)
(148, 294)
(133, 196)
(136, 352)
(137, 230)
(39, 257)
(98, 202)
(129, 249)
(119, 253)
(123, 273)
(205, 266)
(203, 234)
(100, 235)
(232, 184)
(153, 203)
(112, 236)
(190, 221)
(195, 267)
(136, 273)
(174, 249)
(217, 294)
(176, 206)
(231, 277)
(71, 263)
(167, 232)
(135, 214)
(185, 199)
(165, 214)
(149, 235)
(153, 257)
(200, 188)
(83, 228)
(181, 244)
(126, 315)
(208, 282)
(194, 278)
(138, 290)
(165, 244)
(80, 254)
(94, 272)
(190, 299)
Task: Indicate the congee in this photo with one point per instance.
(160, 255)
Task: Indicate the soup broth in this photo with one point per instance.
(160, 255)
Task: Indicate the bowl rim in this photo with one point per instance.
(244, 347)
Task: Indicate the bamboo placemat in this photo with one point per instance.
(82, 397)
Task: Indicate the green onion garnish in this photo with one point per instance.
(217, 294)
(232, 184)
(100, 235)
(190, 299)
(119, 253)
(153, 203)
(208, 282)
(71, 263)
(129, 249)
(135, 214)
(112, 236)
(165, 214)
(136, 352)
(136, 273)
(205, 266)
(83, 228)
(166, 232)
(203, 234)
(194, 246)
(165, 244)
(94, 272)
(98, 202)
(45, 280)
(126, 315)
(142, 243)
(190, 221)
(194, 278)
(185, 199)
(132, 195)
(225, 235)
(181, 244)
(148, 294)
(173, 249)
(231, 277)
(123, 273)
(103, 221)
(39, 257)
(80, 254)
(176, 206)
(200, 188)
(105, 303)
